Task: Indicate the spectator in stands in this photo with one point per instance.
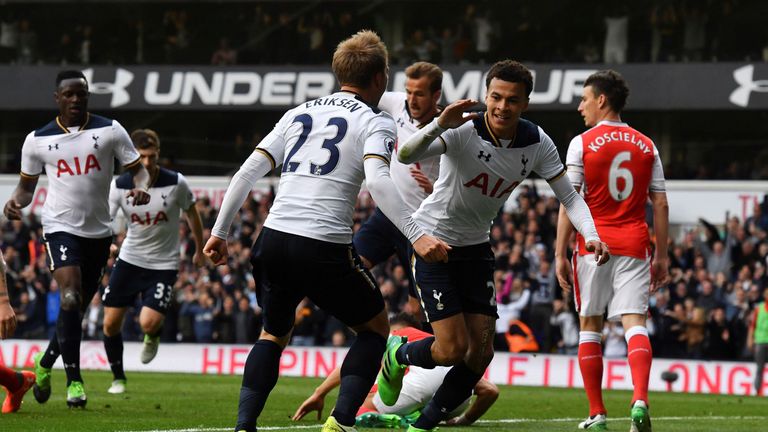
(566, 322)
(616, 35)
(224, 55)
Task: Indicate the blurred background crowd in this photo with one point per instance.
(228, 33)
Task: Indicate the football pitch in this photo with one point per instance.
(207, 403)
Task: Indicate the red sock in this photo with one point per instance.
(591, 365)
(8, 379)
(639, 356)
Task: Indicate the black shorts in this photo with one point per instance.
(90, 255)
(289, 267)
(128, 280)
(462, 285)
(379, 238)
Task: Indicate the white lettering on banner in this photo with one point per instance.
(249, 80)
(153, 97)
(278, 89)
(312, 85)
(541, 370)
(195, 83)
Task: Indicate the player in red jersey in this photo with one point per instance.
(618, 169)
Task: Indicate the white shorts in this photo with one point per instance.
(419, 385)
(622, 285)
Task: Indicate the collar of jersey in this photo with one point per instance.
(484, 130)
(611, 123)
(82, 127)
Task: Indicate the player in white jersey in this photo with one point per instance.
(77, 150)
(484, 157)
(379, 238)
(326, 147)
(148, 262)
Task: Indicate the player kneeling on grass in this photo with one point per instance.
(419, 385)
(148, 261)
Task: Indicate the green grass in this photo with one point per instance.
(209, 403)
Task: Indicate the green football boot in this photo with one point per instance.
(641, 420)
(42, 387)
(390, 378)
(382, 421)
(76, 395)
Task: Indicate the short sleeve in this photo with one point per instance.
(184, 194)
(548, 164)
(272, 146)
(574, 160)
(125, 152)
(392, 102)
(115, 196)
(454, 139)
(658, 183)
(380, 138)
(31, 165)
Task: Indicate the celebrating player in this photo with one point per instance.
(148, 262)
(618, 168)
(484, 157)
(325, 147)
(77, 150)
(379, 238)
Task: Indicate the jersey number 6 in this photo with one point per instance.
(615, 173)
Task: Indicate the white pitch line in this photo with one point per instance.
(518, 420)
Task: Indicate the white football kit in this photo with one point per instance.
(396, 104)
(79, 163)
(152, 241)
(478, 173)
(321, 145)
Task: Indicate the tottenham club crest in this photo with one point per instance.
(524, 161)
(436, 294)
(95, 139)
(63, 250)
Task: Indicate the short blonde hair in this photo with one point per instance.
(359, 58)
(429, 70)
(145, 138)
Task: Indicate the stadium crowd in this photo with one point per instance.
(718, 277)
(458, 32)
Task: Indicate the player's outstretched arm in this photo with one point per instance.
(316, 401)
(255, 167)
(196, 225)
(580, 217)
(422, 144)
(141, 180)
(660, 265)
(562, 263)
(21, 197)
(486, 394)
(7, 316)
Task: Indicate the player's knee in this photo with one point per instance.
(70, 300)
(111, 327)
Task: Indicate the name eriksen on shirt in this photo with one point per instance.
(349, 104)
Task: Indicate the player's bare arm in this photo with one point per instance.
(196, 225)
(660, 265)
(486, 394)
(21, 197)
(140, 192)
(316, 401)
(562, 263)
(7, 316)
(422, 180)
